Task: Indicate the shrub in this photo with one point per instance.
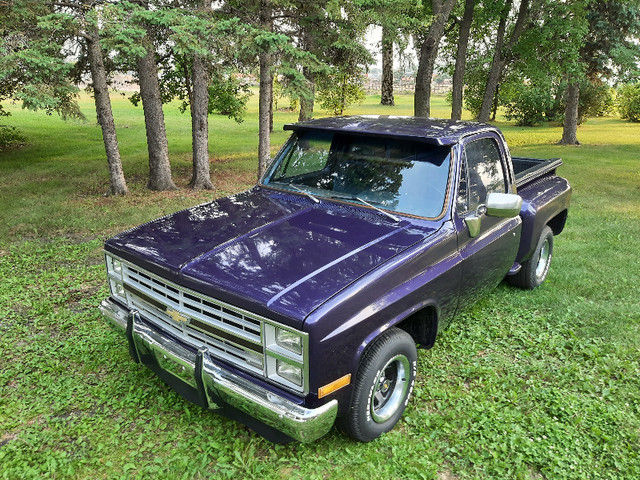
(10, 137)
(228, 96)
(596, 100)
(336, 92)
(543, 99)
(529, 103)
(629, 102)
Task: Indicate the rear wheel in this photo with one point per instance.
(383, 386)
(534, 271)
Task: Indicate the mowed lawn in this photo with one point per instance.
(524, 385)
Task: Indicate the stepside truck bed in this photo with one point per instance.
(529, 169)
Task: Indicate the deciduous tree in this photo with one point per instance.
(503, 46)
(609, 52)
(461, 58)
(429, 42)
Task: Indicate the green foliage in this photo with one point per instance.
(543, 100)
(596, 100)
(530, 103)
(611, 49)
(10, 137)
(228, 96)
(337, 92)
(628, 100)
(475, 80)
(33, 65)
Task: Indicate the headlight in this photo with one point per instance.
(114, 272)
(289, 340)
(289, 372)
(116, 288)
(117, 267)
(114, 266)
(286, 354)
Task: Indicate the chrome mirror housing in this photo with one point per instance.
(474, 224)
(505, 205)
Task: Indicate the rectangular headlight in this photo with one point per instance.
(289, 372)
(114, 272)
(288, 340)
(114, 266)
(117, 289)
(286, 354)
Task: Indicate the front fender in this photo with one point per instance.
(343, 328)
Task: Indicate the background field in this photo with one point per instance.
(525, 385)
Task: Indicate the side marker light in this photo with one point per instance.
(335, 385)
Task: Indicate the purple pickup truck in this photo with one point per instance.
(300, 302)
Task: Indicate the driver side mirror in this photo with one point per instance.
(504, 205)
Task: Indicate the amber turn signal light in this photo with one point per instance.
(335, 385)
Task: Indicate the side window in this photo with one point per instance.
(463, 189)
(484, 171)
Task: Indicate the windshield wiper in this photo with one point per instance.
(292, 185)
(378, 209)
(384, 212)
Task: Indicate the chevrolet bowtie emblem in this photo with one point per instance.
(177, 316)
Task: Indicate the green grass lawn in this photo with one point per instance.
(524, 385)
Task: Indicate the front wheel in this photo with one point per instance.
(383, 386)
(534, 271)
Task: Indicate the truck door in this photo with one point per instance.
(488, 256)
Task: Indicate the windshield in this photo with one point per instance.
(396, 175)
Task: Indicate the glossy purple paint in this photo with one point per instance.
(280, 251)
(342, 272)
(428, 130)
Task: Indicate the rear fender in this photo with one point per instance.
(545, 202)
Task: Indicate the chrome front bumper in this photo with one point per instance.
(208, 384)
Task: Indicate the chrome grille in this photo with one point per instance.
(229, 333)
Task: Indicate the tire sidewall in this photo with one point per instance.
(534, 281)
(364, 427)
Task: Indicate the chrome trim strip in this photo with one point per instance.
(300, 423)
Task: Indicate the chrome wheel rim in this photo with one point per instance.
(543, 261)
(390, 388)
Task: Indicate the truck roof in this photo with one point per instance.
(429, 130)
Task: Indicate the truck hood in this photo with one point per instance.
(267, 251)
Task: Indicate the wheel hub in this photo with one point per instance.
(390, 388)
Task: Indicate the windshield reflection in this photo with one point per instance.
(396, 175)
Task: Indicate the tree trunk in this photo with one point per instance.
(271, 110)
(428, 54)
(201, 178)
(570, 127)
(265, 99)
(499, 59)
(105, 114)
(307, 103)
(264, 112)
(386, 95)
(497, 64)
(461, 58)
(496, 100)
(159, 167)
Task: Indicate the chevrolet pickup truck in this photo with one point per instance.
(301, 302)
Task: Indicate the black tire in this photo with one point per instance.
(383, 386)
(534, 271)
